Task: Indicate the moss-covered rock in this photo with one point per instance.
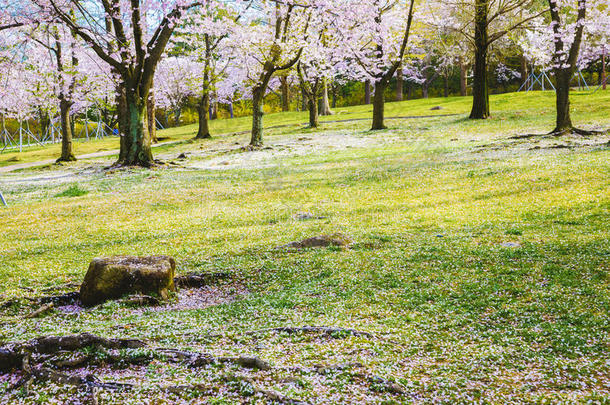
(114, 277)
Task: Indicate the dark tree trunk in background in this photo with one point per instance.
(177, 114)
(523, 69)
(285, 94)
(463, 78)
(480, 91)
(603, 76)
(424, 89)
(562, 100)
(446, 87)
(367, 92)
(409, 91)
(334, 95)
(66, 132)
(399, 83)
(378, 105)
(258, 93)
(45, 121)
(203, 106)
(313, 112)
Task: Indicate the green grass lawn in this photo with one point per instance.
(480, 263)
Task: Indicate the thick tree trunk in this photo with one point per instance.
(367, 92)
(563, 122)
(379, 105)
(135, 143)
(325, 106)
(285, 94)
(152, 125)
(66, 132)
(399, 83)
(480, 91)
(313, 112)
(256, 138)
(463, 79)
(202, 112)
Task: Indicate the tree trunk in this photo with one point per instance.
(177, 113)
(325, 110)
(604, 80)
(562, 100)
(256, 138)
(424, 89)
(152, 125)
(285, 94)
(66, 132)
(409, 91)
(399, 83)
(135, 145)
(313, 112)
(523, 69)
(367, 92)
(334, 95)
(480, 91)
(463, 79)
(446, 86)
(379, 105)
(202, 112)
(303, 101)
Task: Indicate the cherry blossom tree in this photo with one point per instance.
(131, 37)
(378, 33)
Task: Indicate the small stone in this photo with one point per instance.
(117, 276)
(181, 156)
(511, 244)
(438, 107)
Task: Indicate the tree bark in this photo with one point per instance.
(325, 106)
(258, 93)
(66, 132)
(424, 89)
(604, 80)
(399, 83)
(562, 100)
(203, 108)
(367, 92)
(136, 141)
(480, 91)
(313, 112)
(378, 105)
(446, 84)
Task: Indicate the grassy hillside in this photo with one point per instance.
(533, 109)
(479, 264)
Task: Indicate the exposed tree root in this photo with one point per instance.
(334, 332)
(40, 311)
(557, 133)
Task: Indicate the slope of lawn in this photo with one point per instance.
(479, 267)
(537, 107)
